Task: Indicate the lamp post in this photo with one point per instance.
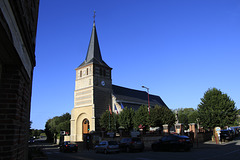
(148, 98)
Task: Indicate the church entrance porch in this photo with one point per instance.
(85, 126)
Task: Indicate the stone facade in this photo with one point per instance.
(92, 97)
(17, 60)
(93, 90)
(94, 93)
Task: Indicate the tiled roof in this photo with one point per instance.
(131, 97)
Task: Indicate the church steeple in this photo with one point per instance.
(93, 91)
(93, 48)
(94, 53)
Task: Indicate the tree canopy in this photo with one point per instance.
(187, 116)
(125, 118)
(56, 124)
(108, 121)
(141, 118)
(161, 115)
(216, 109)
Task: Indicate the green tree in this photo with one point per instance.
(193, 116)
(216, 109)
(63, 123)
(156, 117)
(187, 116)
(36, 132)
(183, 118)
(161, 115)
(125, 118)
(48, 132)
(108, 121)
(168, 116)
(141, 118)
(56, 124)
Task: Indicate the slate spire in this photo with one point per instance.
(94, 53)
(93, 48)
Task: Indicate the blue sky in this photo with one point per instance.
(177, 48)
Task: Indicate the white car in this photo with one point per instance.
(107, 147)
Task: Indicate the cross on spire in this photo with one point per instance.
(94, 15)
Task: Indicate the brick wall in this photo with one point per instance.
(17, 60)
(15, 95)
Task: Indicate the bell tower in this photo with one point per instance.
(93, 91)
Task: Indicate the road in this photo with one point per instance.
(206, 151)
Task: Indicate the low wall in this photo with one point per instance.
(66, 138)
(202, 137)
(148, 141)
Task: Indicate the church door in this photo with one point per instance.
(85, 126)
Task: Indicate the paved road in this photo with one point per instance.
(206, 151)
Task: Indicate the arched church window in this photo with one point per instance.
(87, 71)
(80, 73)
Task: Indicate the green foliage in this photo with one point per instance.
(193, 116)
(168, 116)
(125, 118)
(187, 116)
(161, 115)
(43, 134)
(216, 109)
(48, 132)
(56, 124)
(155, 119)
(141, 117)
(130, 119)
(35, 132)
(108, 121)
(63, 126)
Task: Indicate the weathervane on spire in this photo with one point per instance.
(94, 15)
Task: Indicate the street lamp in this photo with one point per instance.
(148, 98)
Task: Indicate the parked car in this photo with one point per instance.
(232, 133)
(67, 146)
(107, 147)
(131, 144)
(173, 142)
(31, 140)
(226, 135)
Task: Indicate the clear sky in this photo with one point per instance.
(177, 48)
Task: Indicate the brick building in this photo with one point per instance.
(18, 25)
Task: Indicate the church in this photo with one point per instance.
(94, 93)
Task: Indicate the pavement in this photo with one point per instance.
(213, 144)
(203, 145)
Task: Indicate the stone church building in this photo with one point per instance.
(94, 93)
